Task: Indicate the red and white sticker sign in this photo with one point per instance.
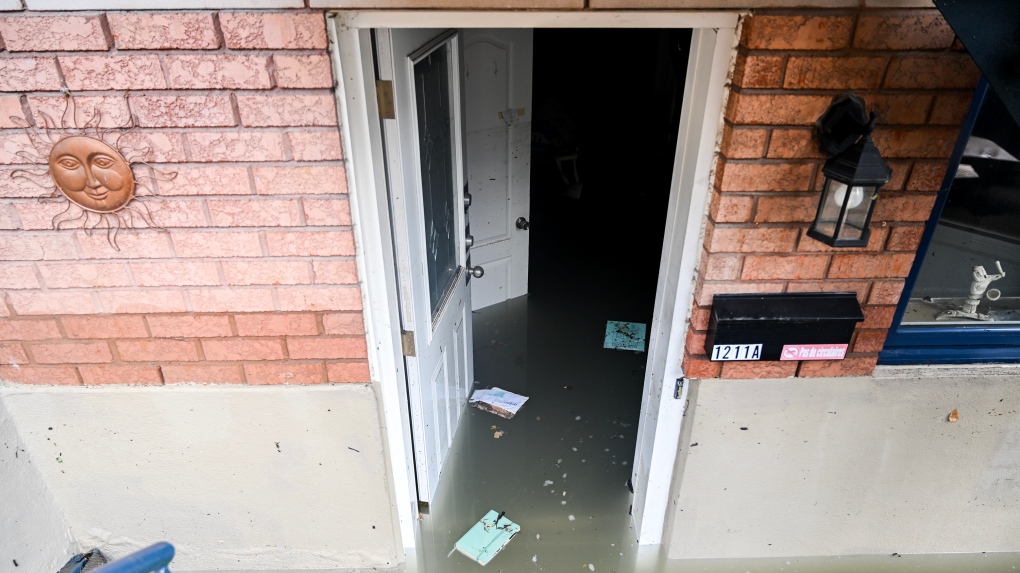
(813, 352)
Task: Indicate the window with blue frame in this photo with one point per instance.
(961, 302)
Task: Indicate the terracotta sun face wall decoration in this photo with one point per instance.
(92, 170)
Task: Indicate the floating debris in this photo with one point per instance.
(534, 558)
(954, 416)
(577, 419)
(547, 482)
(571, 517)
(498, 434)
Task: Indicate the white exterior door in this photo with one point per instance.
(497, 88)
(425, 161)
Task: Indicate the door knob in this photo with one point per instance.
(467, 200)
(523, 224)
(469, 241)
(477, 272)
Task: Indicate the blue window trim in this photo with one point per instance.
(948, 344)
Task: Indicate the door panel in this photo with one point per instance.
(497, 79)
(425, 164)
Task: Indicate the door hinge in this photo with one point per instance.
(407, 342)
(384, 97)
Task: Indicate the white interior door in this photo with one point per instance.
(497, 74)
(425, 160)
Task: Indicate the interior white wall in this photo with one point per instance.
(250, 478)
(32, 530)
(845, 466)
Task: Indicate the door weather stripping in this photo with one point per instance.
(407, 342)
(384, 97)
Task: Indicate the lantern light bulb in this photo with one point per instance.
(839, 193)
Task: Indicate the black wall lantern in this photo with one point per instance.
(854, 173)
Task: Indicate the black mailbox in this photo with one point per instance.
(789, 326)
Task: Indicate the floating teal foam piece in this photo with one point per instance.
(487, 537)
(625, 336)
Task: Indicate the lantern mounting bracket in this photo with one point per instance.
(845, 121)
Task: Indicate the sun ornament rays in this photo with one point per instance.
(91, 170)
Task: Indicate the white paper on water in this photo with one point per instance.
(500, 398)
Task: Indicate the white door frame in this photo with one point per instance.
(712, 49)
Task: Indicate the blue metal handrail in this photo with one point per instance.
(155, 557)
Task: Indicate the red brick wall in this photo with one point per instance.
(790, 65)
(255, 280)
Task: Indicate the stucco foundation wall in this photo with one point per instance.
(850, 466)
(236, 478)
(33, 533)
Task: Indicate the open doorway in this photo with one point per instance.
(604, 121)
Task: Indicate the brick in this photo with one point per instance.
(80, 327)
(705, 291)
(30, 329)
(927, 176)
(776, 109)
(767, 177)
(743, 143)
(157, 350)
(786, 209)
(176, 213)
(862, 266)
(180, 31)
(231, 300)
(233, 146)
(793, 144)
(207, 180)
(758, 71)
(932, 72)
(183, 111)
(317, 146)
(121, 374)
(797, 32)
(155, 147)
(721, 268)
(111, 110)
(875, 243)
(859, 287)
(112, 72)
(935, 142)
(287, 110)
(287, 373)
(212, 244)
(49, 375)
(189, 326)
(700, 368)
(276, 325)
(695, 343)
(202, 374)
(310, 243)
(919, 30)
(29, 74)
(886, 292)
(348, 372)
(18, 277)
(13, 148)
(286, 31)
(914, 207)
(85, 275)
(303, 180)
(142, 301)
(133, 244)
(32, 247)
(51, 302)
(870, 341)
(38, 215)
(327, 347)
(312, 71)
(878, 316)
(12, 353)
(759, 268)
(175, 273)
(335, 272)
(700, 318)
(850, 366)
(905, 238)
(10, 107)
(268, 272)
(255, 212)
(218, 72)
(758, 240)
(243, 349)
(900, 108)
(950, 108)
(327, 212)
(71, 352)
(900, 170)
(296, 299)
(834, 73)
(345, 323)
(727, 208)
(53, 34)
(756, 369)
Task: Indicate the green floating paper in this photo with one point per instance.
(487, 537)
(625, 336)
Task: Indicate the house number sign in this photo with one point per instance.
(728, 352)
